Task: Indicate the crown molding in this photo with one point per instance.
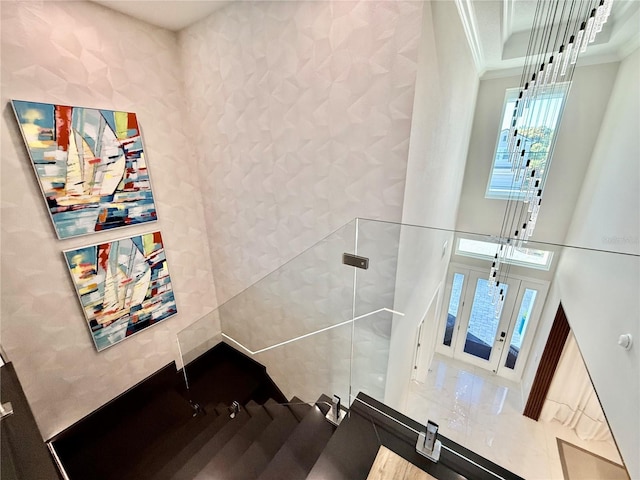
(507, 20)
(470, 25)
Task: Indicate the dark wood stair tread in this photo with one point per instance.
(189, 469)
(161, 450)
(299, 408)
(263, 449)
(237, 445)
(299, 453)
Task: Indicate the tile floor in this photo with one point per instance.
(483, 412)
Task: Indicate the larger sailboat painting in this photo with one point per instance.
(90, 165)
(123, 286)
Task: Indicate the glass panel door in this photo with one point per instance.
(454, 304)
(522, 322)
(484, 324)
(454, 296)
(522, 327)
(483, 321)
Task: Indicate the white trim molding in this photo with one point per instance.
(470, 25)
(507, 20)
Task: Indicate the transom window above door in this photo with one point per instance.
(522, 256)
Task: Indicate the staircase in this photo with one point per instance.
(270, 441)
(150, 433)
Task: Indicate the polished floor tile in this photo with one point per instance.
(483, 412)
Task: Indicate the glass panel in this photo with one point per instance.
(331, 336)
(483, 322)
(454, 302)
(524, 314)
(371, 335)
(527, 257)
(465, 406)
(310, 292)
(411, 266)
(296, 321)
(315, 365)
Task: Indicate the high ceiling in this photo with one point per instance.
(170, 14)
(497, 30)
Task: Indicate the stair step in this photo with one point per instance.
(160, 451)
(237, 445)
(273, 408)
(299, 453)
(299, 408)
(99, 455)
(263, 449)
(197, 460)
(185, 443)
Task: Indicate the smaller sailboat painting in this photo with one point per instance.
(90, 165)
(123, 286)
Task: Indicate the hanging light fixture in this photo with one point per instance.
(561, 31)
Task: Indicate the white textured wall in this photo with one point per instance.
(82, 54)
(599, 291)
(302, 112)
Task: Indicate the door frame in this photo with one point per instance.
(444, 310)
(427, 337)
(542, 286)
(497, 346)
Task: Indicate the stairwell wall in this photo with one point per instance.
(303, 113)
(80, 53)
(446, 92)
(599, 291)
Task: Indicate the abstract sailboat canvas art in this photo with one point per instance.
(90, 165)
(123, 285)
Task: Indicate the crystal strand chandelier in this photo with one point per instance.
(561, 31)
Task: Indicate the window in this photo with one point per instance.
(454, 302)
(524, 315)
(536, 137)
(524, 257)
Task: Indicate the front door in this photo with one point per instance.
(484, 324)
(477, 331)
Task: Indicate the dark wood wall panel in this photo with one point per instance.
(548, 364)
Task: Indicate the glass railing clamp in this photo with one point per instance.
(428, 444)
(336, 414)
(6, 409)
(197, 409)
(234, 409)
(355, 261)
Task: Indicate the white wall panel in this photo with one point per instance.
(599, 290)
(302, 112)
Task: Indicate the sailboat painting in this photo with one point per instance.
(90, 165)
(123, 286)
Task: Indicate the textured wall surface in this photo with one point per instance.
(78, 53)
(302, 112)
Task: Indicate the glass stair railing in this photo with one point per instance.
(322, 326)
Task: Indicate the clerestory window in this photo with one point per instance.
(536, 133)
